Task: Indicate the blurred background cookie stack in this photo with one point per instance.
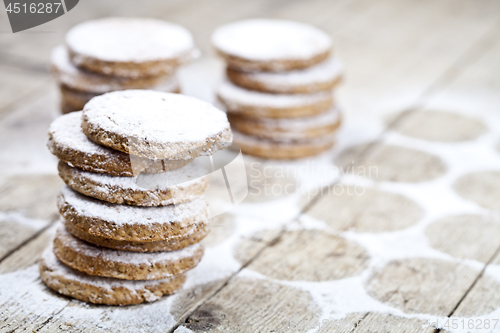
(112, 54)
(279, 87)
(132, 211)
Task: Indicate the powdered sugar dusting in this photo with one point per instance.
(126, 257)
(70, 75)
(329, 117)
(129, 39)
(121, 215)
(59, 269)
(166, 123)
(193, 174)
(326, 71)
(249, 140)
(66, 132)
(234, 96)
(265, 39)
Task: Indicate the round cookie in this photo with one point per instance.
(99, 290)
(74, 100)
(171, 244)
(271, 45)
(282, 149)
(323, 76)
(68, 143)
(258, 104)
(129, 47)
(83, 81)
(128, 223)
(288, 129)
(156, 125)
(188, 184)
(126, 265)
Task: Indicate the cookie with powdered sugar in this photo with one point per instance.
(127, 265)
(173, 243)
(156, 125)
(74, 100)
(161, 189)
(250, 103)
(99, 290)
(129, 223)
(271, 45)
(302, 128)
(68, 143)
(283, 149)
(129, 47)
(323, 76)
(80, 80)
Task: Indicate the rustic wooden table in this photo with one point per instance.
(395, 230)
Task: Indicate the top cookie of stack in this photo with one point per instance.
(279, 92)
(110, 54)
(133, 207)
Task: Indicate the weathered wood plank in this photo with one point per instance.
(17, 84)
(23, 133)
(377, 322)
(252, 305)
(33, 196)
(365, 209)
(28, 254)
(478, 80)
(236, 304)
(18, 310)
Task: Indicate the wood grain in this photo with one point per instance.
(466, 236)
(364, 209)
(421, 285)
(398, 55)
(248, 305)
(298, 256)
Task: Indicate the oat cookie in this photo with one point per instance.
(128, 223)
(83, 81)
(323, 76)
(288, 129)
(161, 189)
(271, 45)
(171, 244)
(258, 104)
(129, 47)
(95, 260)
(95, 289)
(74, 100)
(68, 143)
(282, 149)
(156, 125)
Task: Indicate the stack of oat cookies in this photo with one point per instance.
(112, 54)
(132, 211)
(279, 87)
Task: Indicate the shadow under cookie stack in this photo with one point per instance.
(132, 212)
(113, 54)
(279, 88)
